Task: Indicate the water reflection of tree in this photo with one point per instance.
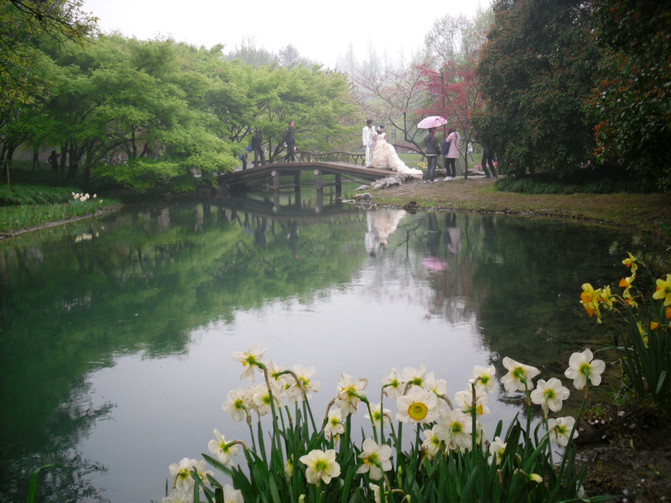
(454, 243)
(68, 306)
(66, 476)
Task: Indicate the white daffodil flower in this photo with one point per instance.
(464, 400)
(334, 425)
(249, 360)
(177, 496)
(560, 430)
(438, 386)
(349, 391)
(454, 428)
(232, 495)
(550, 394)
(497, 448)
(432, 442)
(262, 399)
(418, 405)
(378, 414)
(220, 447)
(376, 459)
(518, 374)
(304, 375)
(393, 384)
(414, 376)
(238, 403)
(583, 367)
(483, 377)
(321, 466)
(181, 474)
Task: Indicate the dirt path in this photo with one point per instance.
(647, 212)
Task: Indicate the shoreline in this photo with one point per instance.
(645, 212)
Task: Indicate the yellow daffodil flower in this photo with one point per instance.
(590, 300)
(630, 262)
(663, 291)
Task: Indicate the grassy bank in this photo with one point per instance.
(42, 198)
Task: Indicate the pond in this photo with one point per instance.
(117, 333)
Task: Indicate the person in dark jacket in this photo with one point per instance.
(487, 162)
(432, 152)
(290, 143)
(257, 146)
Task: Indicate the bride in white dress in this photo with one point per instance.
(385, 156)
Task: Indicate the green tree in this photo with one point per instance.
(632, 99)
(22, 24)
(536, 72)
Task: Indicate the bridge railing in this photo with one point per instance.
(335, 156)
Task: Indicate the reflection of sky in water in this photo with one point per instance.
(167, 408)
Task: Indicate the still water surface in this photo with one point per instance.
(117, 333)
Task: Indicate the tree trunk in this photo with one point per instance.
(74, 163)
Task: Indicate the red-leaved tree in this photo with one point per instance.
(455, 95)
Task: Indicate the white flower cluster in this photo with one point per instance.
(83, 197)
(421, 399)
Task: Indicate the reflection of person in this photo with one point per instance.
(368, 140)
(451, 153)
(487, 163)
(385, 156)
(290, 143)
(432, 151)
(257, 146)
(370, 239)
(453, 234)
(433, 235)
(292, 238)
(385, 223)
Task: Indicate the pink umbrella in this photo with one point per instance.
(431, 122)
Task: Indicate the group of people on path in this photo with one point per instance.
(449, 150)
(381, 154)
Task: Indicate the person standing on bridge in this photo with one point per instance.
(368, 140)
(290, 143)
(257, 145)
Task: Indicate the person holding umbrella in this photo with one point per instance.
(432, 152)
(432, 144)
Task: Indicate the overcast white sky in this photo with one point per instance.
(321, 31)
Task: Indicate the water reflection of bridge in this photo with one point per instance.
(279, 172)
(295, 210)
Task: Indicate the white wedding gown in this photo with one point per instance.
(385, 157)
